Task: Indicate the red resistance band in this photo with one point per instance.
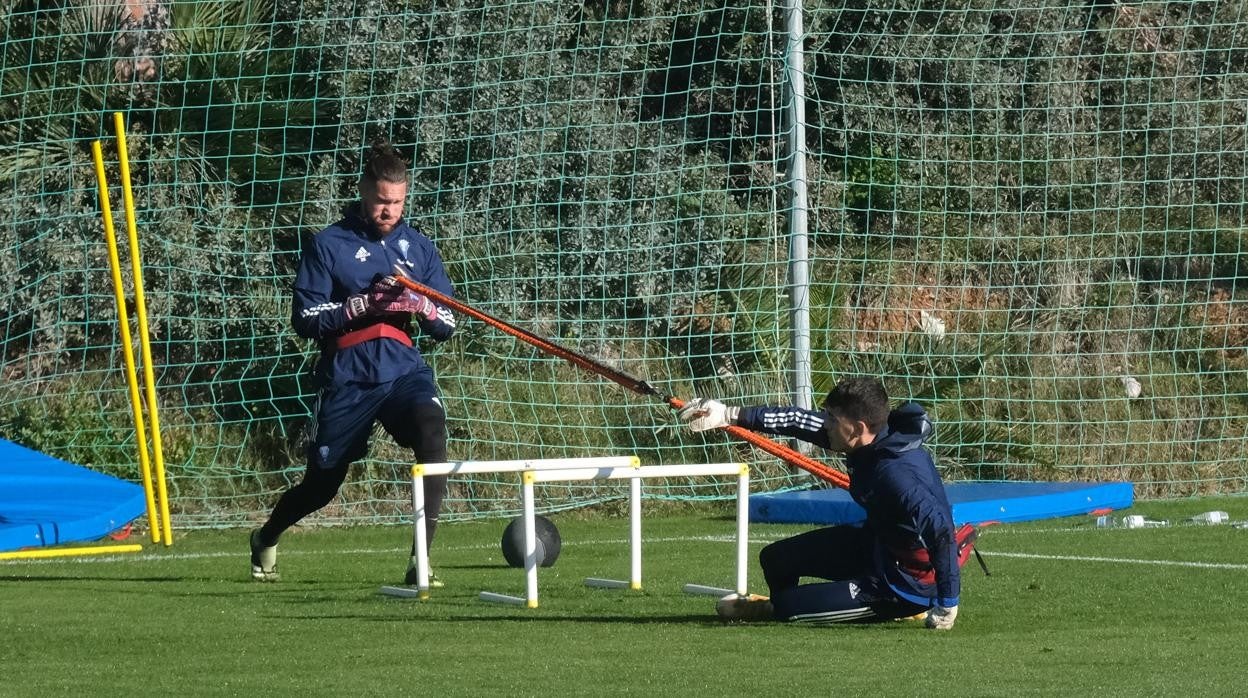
(376, 331)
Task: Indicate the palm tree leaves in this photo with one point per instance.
(53, 86)
(238, 107)
(219, 100)
(223, 28)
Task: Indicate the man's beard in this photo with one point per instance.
(382, 228)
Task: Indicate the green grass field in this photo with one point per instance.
(1068, 608)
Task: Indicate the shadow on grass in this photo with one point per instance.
(84, 578)
(682, 619)
(303, 585)
(493, 566)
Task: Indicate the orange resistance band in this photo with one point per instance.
(784, 453)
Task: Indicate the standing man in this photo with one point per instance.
(346, 298)
(903, 561)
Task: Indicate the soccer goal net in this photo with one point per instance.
(1027, 215)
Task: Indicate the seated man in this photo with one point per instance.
(903, 561)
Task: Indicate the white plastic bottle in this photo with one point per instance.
(1137, 521)
(1130, 521)
(1211, 517)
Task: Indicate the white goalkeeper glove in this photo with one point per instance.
(941, 617)
(704, 414)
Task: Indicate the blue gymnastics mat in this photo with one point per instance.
(46, 501)
(973, 502)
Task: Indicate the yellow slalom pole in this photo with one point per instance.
(70, 552)
(132, 378)
(149, 375)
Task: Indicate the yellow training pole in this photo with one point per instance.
(149, 375)
(69, 552)
(114, 262)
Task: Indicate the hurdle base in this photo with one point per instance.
(405, 592)
(707, 591)
(491, 597)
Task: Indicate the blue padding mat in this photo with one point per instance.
(47, 501)
(973, 502)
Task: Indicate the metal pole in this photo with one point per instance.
(799, 260)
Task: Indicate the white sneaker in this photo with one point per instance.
(748, 608)
(263, 560)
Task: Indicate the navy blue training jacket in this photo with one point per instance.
(344, 259)
(895, 480)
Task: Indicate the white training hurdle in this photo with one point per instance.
(419, 471)
(564, 470)
(635, 475)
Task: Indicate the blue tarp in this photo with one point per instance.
(46, 501)
(973, 502)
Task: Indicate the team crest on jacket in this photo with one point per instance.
(403, 246)
(362, 254)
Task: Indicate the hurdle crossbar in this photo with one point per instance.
(635, 474)
(452, 468)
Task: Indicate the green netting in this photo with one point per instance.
(1018, 211)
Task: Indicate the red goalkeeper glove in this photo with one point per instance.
(387, 296)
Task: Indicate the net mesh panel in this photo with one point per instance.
(1021, 214)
